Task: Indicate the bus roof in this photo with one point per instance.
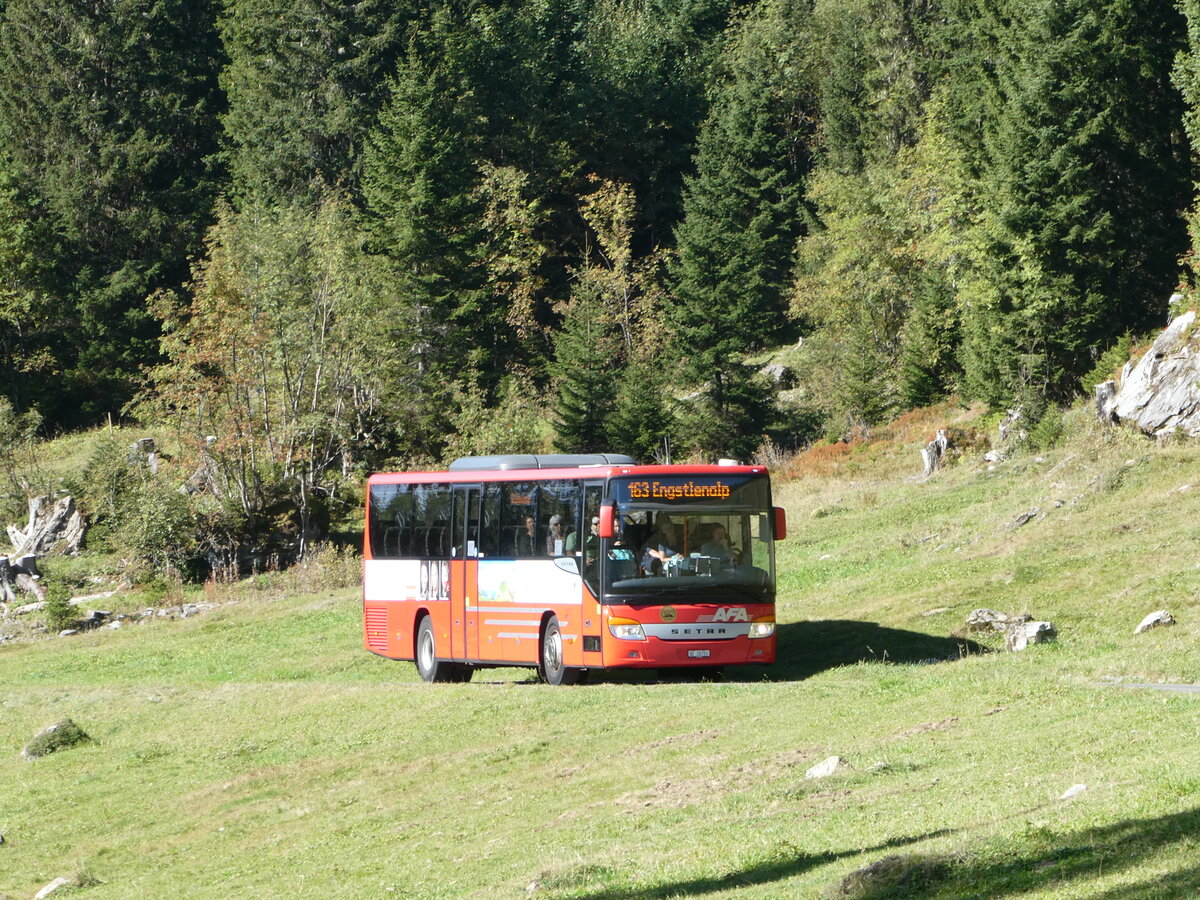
(581, 472)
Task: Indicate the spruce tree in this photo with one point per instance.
(304, 81)
(743, 211)
(108, 115)
(1086, 174)
(585, 350)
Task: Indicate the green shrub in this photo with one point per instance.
(1108, 364)
(1048, 429)
(158, 531)
(58, 612)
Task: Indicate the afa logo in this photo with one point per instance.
(731, 614)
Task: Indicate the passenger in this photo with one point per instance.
(660, 546)
(527, 538)
(718, 546)
(555, 537)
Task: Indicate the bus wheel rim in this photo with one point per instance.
(554, 651)
(427, 650)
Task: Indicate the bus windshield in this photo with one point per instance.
(707, 536)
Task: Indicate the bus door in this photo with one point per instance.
(464, 572)
(593, 619)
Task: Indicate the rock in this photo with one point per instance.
(1021, 635)
(1073, 791)
(1024, 518)
(1162, 617)
(113, 625)
(90, 598)
(989, 619)
(29, 608)
(892, 876)
(780, 375)
(60, 736)
(67, 632)
(53, 888)
(95, 618)
(1161, 392)
(825, 767)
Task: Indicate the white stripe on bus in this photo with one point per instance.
(533, 622)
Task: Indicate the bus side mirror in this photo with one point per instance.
(780, 523)
(607, 520)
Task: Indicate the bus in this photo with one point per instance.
(570, 564)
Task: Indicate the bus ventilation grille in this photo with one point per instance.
(376, 625)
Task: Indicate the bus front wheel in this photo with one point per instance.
(552, 669)
(428, 665)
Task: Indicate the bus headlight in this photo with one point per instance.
(762, 627)
(626, 629)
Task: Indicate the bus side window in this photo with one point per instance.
(560, 505)
(489, 527)
(518, 503)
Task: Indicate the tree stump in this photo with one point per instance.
(932, 453)
(48, 525)
(1106, 399)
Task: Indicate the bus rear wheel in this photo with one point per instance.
(428, 665)
(552, 669)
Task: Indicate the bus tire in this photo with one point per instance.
(552, 669)
(428, 665)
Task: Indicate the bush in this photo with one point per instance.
(159, 529)
(1048, 429)
(58, 612)
(1108, 364)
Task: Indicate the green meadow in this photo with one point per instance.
(258, 751)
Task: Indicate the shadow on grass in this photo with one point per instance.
(782, 866)
(1041, 860)
(807, 648)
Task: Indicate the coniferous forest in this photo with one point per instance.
(315, 240)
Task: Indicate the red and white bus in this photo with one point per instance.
(570, 564)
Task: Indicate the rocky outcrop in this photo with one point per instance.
(1161, 393)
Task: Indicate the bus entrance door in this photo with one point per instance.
(464, 572)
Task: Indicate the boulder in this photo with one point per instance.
(58, 884)
(780, 375)
(1161, 393)
(1155, 619)
(990, 620)
(892, 876)
(1021, 635)
(825, 767)
(60, 736)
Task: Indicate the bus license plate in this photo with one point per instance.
(697, 654)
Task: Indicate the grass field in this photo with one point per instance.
(257, 750)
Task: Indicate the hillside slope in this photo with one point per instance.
(258, 750)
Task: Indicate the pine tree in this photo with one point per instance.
(585, 350)
(108, 115)
(1087, 172)
(743, 211)
(744, 208)
(304, 81)
(641, 422)
(419, 184)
